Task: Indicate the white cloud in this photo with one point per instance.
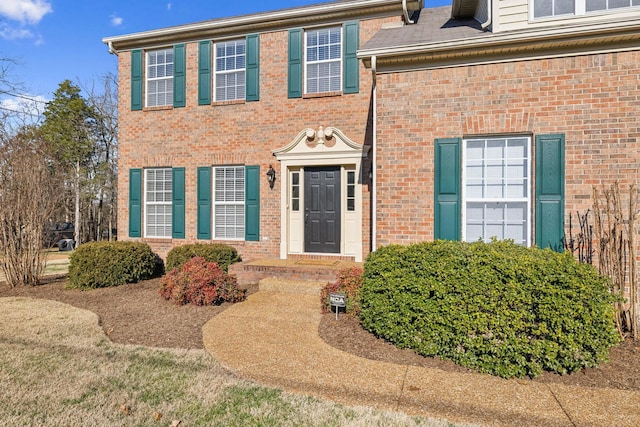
(24, 106)
(116, 20)
(11, 33)
(25, 11)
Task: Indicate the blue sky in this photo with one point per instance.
(54, 40)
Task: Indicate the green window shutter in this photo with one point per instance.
(252, 203)
(351, 83)
(177, 199)
(447, 214)
(204, 203)
(550, 191)
(135, 202)
(294, 77)
(253, 68)
(204, 73)
(179, 75)
(136, 80)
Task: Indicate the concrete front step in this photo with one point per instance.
(251, 272)
(288, 286)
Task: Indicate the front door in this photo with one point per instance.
(322, 209)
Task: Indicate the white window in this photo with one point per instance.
(323, 60)
(228, 218)
(157, 202)
(159, 77)
(230, 58)
(594, 5)
(550, 8)
(496, 189)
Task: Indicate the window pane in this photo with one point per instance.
(159, 77)
(229, 202)
(158, 202)
(496, 187)
(563, 7)
(323, 69)
(230, 70)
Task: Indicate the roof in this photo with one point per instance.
(438, 40)
(433, 25)
(334, 11)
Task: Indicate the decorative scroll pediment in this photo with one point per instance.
(329, 142)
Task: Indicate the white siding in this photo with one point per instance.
(512, 15)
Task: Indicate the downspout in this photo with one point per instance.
(405, 12)
(374, 195)
(488, 22)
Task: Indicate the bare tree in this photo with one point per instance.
(28, 188)
(104, 103)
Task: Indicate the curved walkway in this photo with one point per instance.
(272, 338)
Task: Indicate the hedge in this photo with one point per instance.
(104, 264)
(498, 308)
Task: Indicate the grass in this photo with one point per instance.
(57, 368)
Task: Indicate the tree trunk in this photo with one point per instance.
(76, 231)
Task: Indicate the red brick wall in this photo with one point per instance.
(235, 133)
(593, 99)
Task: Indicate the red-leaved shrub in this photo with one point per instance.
(349, 282)
(200, 282)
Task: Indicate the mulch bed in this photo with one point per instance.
(136, 314)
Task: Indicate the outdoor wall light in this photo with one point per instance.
(271, 176)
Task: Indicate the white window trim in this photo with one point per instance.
(215, 203)
(216, 72)
(148, 203)
(580, 10)
(528, 200)
(148, 79)
(306, 62)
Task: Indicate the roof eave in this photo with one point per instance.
(495, 45)
(268, 21)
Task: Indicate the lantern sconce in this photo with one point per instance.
(271, 176)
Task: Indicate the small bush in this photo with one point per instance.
(200, 282)
(497, 308)
(349, 282)
(104, 264)
(222, 254)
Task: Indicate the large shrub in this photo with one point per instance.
(497, 308)
(222, 254)
(200, 282)
(348, 282)
(103, 264)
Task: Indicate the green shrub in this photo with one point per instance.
(104, 264)
(498, 308)
(200, 282)
(348, 282)
(222, 254)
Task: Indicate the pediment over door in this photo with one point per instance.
(329, 143)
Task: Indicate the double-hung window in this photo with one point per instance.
(158, 202)
(229, 202)
(159, 77)
(230, 70)
(496, 189)
(323, 60)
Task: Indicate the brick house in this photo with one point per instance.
(382, 123)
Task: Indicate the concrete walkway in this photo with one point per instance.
(272, 338)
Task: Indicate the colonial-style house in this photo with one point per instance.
(327, 131)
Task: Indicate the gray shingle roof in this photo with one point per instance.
(434, 25)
